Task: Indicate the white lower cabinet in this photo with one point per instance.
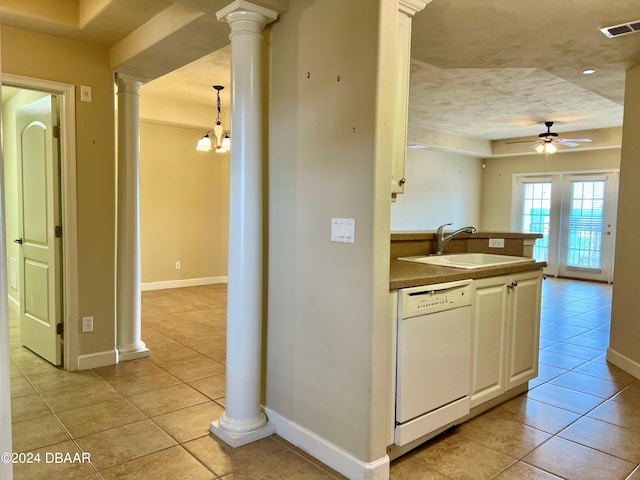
(505, 333)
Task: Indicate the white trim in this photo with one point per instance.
(624, 362)
(98, 359)
(69, 205)
(189, 282)
(327, 452)
(14, 304)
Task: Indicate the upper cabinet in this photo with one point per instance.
(406, 10)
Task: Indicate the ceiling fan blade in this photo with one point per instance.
(521, 141)
(567, 143)
(574, 139)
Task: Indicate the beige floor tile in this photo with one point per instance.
(196, 369)
(282, 466)
(172, 354)
(607, 372)
(102, 416)
(413, 467)
(153, 339)
(559, 360)
(213, 387)
(459, 458)
(635, 475)
(167, 399)
(576, 462)
(28, 407)
(608, 438)
(572, 350)
(70, 399)
(538, 415)
(587, 384)
(154, 379)
(54, 470)
(191, 422)
(20, 387)
(124, 443)
(172, 463)
(213, 350)
(510, 438)
(58, 380)
(36, 433)
(523, 471)
(626, 416)
(131, 367)
(630, 396)
(548, 372)
(561, 397)
(223, 459)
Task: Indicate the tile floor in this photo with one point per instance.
(148, 418)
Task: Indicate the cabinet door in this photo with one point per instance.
(524, 327)
(488, 339)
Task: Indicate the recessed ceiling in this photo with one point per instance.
(483, 69)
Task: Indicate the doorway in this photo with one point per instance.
(66, 272)
(576, 213)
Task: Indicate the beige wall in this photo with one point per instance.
(498, 178)
(67, 61)
(441, 187)
(327, 344)
(625, 327)
(184, 205)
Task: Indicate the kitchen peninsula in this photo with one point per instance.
(465, 340)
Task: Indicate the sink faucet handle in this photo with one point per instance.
(441, 227)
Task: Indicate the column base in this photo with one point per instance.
(132, 352)
(239, 439)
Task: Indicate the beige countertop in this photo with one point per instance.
(409, 274)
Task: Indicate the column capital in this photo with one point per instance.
(411, 7)
(128, 83)
(261, 14)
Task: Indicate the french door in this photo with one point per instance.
(576, 214)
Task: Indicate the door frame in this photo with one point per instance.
(68, 198)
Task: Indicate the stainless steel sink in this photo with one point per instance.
(467, 261)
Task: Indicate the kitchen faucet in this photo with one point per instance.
(443, 239)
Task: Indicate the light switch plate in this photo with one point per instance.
(343, 230)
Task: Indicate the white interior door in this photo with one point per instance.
(38, 216)
(588, 226)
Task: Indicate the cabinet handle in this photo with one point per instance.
(515, 284)
(512, 285)
(402, 181)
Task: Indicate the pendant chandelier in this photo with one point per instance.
(217, 137)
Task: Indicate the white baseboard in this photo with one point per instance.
(624, 362)
(14, 304)
(189, 282)
(98, 359)
(327, 452)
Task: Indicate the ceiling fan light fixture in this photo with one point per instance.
(546, 147)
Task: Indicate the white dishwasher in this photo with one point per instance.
(433, 358)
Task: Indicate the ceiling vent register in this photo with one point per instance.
(622, 29)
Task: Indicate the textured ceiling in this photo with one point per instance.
(488, 69)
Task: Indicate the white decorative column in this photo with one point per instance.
(129, 341)
(243, 421)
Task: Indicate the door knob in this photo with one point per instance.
(18, 241)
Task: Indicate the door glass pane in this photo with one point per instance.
(536, 208)
(586, 223)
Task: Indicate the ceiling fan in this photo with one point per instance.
(548, 140)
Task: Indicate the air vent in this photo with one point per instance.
(622, 29)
